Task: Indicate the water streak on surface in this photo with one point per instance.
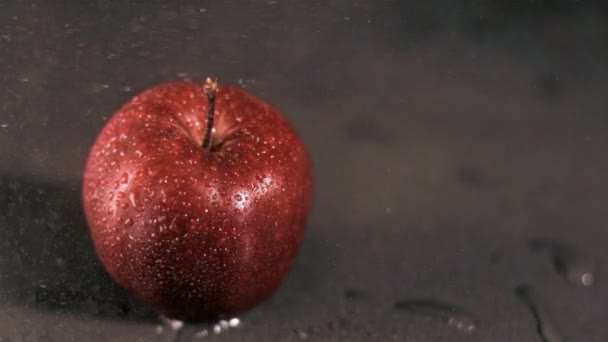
(545, 327)
(447, 313)
(568, 261)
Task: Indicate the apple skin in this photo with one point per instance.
(195, 233)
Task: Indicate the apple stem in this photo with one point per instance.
(210, 89)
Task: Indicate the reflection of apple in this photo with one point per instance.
(197, 232)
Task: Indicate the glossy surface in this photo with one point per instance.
(444, 136)
(191, 232)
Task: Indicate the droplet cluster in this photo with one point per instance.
(189, 231)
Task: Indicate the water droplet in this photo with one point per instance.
(201, 334)
(587, 279)
(174, 324)
(567, 260)
(238, 198)
(129, 222)
(449, 314)
(121, 194)
(124, 179)
(234, 322)
(132, 200)
(545, 327)
(302, 334)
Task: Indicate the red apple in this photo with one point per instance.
(195, 231)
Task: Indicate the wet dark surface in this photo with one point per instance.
(449, 138)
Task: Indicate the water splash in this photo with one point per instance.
(447, 313)
(173, 324)
(201, 334)
(195, 332)
(568, 261)
(302, 334)
(545, 327)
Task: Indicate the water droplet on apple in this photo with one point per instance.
(129, 222)
(238, 198)
(121, 194)
(132, 200)
(124, 179)
(111, 195)
(139, 209)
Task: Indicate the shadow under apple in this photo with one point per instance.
(47, 260)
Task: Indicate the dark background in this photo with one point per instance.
(445, 135)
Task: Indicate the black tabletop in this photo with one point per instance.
(459, 150)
